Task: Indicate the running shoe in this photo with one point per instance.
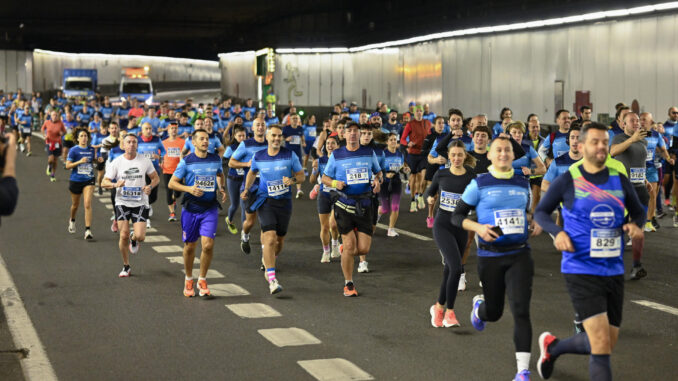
(22, 147)
(47, 171)
(274, 287)
(148, 223)
(114, 226)
(299, 193)
(407, 188)
(429, 222)
(655, 223)
(341, 249)
(629, 242)
(314, 192)
(436, 316)
(450, 319)
(462, 282)
(172, 217)
(478, 324)
(649, 227)
(126, 271)
(413, 206)
(349, 290)
(88, 235)
(637, 272)
(133, 246)
(420, 202)
(71, 226)
(326, 257)
(150, 211)
(101, 191)
(362, 267)
(335, 252)
(545, 363)
(391, 232)
(675, 221)
(245, 246)
(28, 153)
(231, 226)
(523, 375)
(188, 288)
(53, 179)
(202, 288)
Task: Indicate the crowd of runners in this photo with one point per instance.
(482, 186)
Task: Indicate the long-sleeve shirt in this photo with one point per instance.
(416, 130)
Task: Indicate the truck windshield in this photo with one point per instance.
(136, 88)
(78, 85)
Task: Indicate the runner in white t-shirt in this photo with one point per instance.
(126, 174)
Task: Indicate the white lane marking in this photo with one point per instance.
(38, 135)
(334, 369)
(253, 310)
(36, 365)
(657, 306)
(405, 232)
(105, 200)
(168, 249)
(211, 274)
(180, 260)
(156, 238)
(227, 289)
(104, 196)
(108, 206)
(151, 230)
(285, 337)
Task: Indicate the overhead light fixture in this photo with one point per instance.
(145, 59)
(233, 54)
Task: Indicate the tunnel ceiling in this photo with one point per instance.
(202, 29)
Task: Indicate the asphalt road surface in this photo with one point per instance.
(95, 326)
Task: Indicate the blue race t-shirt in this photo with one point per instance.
(560, 165)
(271, 170)
(355, 168)
(214, 144)
(202, 172)
(150, 148)
(85, 171)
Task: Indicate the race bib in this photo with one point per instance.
(394, 167)
(650, 155)
(276, 188)
(174, 152)
(296, 139)
(26, 129)
(637, 175)
(511, 221)
(85, 169)
(606, 243)
(357, 176)
(449, 200)
(148, 155)
(240, 171)
(447, 165)
(206, 183)
(312, 132)
(131, 193)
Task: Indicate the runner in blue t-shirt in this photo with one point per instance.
(295, 141)
(501, 199)
(593, 199)
(234, 180)
(81, 163)
(241, 159)
(25, 125)
(151, 147)
(555, 144)
(278, 168)
(202, 177)
(355, 173)
(328, 230)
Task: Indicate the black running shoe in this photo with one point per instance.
(245, 246)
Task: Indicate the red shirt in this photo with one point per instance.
(417, 130)
(53, 131)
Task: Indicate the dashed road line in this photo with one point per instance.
(180, 260)
(168, 249)
(287, 337)
(334, 370)
(657, 306)
(35, 365)
(108, 206)
(105, 200)
(253, 310)
(157, 238)
(405, 232)
(227, 290)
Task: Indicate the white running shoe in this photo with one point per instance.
(133, 246)
(88, 234)
(126, 270)
(420, 203)
(325, 258)
(462, 282)
(274, 287)
(150, 211)
(362, 267)
(71, 226)
(392, 233)
(335, 252)
(148, 223)
(22, 146)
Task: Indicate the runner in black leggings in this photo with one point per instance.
(450, 239)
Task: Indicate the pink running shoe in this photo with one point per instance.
(314, 192)
(429, 222)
